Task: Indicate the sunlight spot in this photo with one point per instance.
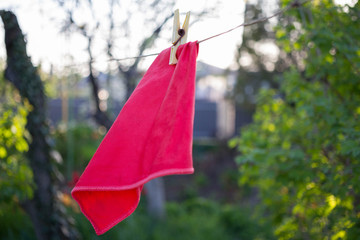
(310, 186)
(358, 110)
(331, 201)
(339, 235)
(103, 94)
(271, 127)
(3, 152)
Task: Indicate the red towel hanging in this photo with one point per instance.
(151, 137)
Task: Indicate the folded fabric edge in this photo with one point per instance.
(174, 171)
(137, 185)
(99, 231)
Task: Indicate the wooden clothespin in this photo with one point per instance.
(179, 35)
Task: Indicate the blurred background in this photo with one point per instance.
(276, 130)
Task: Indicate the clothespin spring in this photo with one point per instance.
(181, 32)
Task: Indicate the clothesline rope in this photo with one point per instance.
(293, 4)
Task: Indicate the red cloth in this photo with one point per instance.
(151, 137)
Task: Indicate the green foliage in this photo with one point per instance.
(16, 177)
(77, 144)
(195, 219)
(15, 174)
(303, 150)
(15, 223)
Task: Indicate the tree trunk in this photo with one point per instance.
(23, 75)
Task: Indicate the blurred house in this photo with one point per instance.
(213, 85)
(215, 115)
